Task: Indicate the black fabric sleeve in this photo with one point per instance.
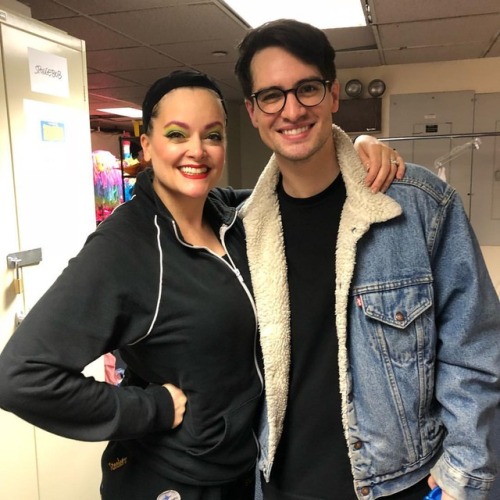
(104, 299)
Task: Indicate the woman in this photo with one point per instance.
(164, 280)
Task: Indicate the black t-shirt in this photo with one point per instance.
(312, 458)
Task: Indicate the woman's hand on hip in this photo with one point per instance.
(180, 400)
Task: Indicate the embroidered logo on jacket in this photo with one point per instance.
(119, 462)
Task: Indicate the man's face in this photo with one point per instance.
(296, 133)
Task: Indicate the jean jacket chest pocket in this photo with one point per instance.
(397, 304)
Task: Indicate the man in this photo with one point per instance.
(379, 324)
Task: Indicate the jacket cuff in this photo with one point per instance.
(457, 484)
(164, 419)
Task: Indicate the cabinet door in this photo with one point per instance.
(47, 202)
(432, 114)
(485, 185)
(18, 474)
(18, 477)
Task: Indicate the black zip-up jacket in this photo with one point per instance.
(177, 313)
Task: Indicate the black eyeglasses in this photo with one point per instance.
(273, 99)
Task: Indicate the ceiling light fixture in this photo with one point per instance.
(323, 15)
(376, 88)
(129, 112)
(219, 53)
(353, 88)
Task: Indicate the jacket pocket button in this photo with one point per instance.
(358, 445)
(400, 316)
(365, 491)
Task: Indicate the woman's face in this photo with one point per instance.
(186, 145)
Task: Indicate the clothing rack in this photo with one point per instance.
(454, 153)
(443, 136)
(439, 163)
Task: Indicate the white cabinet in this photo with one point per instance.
(47, 202)
(475, 173)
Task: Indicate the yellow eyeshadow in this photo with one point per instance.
(173, 128)
(215, 130)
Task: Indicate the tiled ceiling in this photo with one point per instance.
(131, 43)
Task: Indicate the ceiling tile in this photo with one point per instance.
(357, 59)
(348, 38)
(96, 37)
(104, 80)
(146, 76)
(106, 6)
(396, 11)
(184, 23)
(122, 59)
(47, 9)
(201, 51)
(133, 94)
(432, 54)
(493, 48)
(219, 71)
(439, 32)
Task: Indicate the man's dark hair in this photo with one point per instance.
(307, 43)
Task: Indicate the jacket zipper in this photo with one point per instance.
(222, 233)
(231, 265)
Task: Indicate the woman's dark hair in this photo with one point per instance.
(307, 43)
(174, 80)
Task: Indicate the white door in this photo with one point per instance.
(47, 202)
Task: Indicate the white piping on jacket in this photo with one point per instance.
(160, 253)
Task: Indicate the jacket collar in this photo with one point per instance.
(369, 208)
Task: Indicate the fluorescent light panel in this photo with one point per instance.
(130, 112)
(324, 14)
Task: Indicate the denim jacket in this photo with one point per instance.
(418, 325)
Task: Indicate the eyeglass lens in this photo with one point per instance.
(309, 94)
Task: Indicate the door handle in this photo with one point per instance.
(20, 259)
